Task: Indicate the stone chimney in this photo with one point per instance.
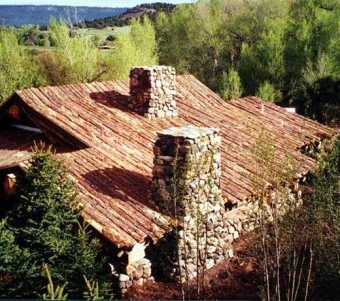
(153, 91)
(186, 185)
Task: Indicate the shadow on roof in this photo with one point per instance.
(112, 99)
(122, 184)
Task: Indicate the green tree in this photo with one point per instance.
(45, 225)
(18, 69)
(318, 96)
(170, 30)
(264, 61)
(273, 41)
(75, 59)
(313, 31)
(193, 40)
(230, 86)
(136, 47)
(13, 259)
(268, 92)
(207, 38)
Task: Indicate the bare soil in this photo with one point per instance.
(235, 278)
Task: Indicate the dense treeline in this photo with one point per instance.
(287, 51)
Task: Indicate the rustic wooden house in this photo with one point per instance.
(121, 141)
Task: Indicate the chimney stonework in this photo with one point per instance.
(153, 91)
(186, 186)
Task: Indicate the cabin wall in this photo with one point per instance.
(174, 257)
(186, 186)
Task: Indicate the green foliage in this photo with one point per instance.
(9, 251)
(312, 53)
(207, 38)
(17, 68)
(32, 36)
(267, 92)
(313, 28)
(190, 40)
(45, 225)
(92, 290)
(53, 293)
(323, 209)
(306, 241)
(76, 59)
(320, 99)
(13, 259)
(263, 61)
(230, 86)
(136, 47)
(275, 41)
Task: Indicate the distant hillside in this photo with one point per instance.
(123, 19)
(17, 15)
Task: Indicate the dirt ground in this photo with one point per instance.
(235, 278)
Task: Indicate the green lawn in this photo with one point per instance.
(102, 34)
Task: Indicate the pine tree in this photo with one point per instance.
(46, 225)
(13, 260)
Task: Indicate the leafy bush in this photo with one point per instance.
(13, 259)
(299, 252)
(75, 59)
(18, 69)
(230, 85)
(323, 208)
(268, 92)
(136, 47)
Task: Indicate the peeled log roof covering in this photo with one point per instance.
(114, 172)
(15, 147)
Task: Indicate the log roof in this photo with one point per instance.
(111, 147)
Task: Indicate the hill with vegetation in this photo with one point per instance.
(18, 15)
(150, 10)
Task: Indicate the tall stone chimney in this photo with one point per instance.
(153, 91)
(186, 185)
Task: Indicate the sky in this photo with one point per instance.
(102, 3)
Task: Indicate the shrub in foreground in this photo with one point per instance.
(44, 228)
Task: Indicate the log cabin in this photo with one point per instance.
(120, 139)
